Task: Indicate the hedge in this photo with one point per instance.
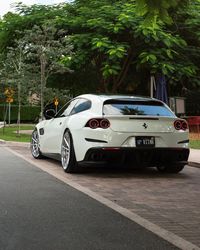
(28, 113)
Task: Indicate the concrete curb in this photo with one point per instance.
(2, 142)
(13, 143)
(194, 164)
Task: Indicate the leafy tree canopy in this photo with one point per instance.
(161, 8)
(116, 41)
(120, 42)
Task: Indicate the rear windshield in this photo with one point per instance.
(124, 107)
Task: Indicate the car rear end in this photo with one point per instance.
(136, 131)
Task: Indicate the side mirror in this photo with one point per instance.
(49, 113)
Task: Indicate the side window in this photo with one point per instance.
(81, 106)
(66, 109)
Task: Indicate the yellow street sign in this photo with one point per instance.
(9, 92)
(56, 102)
(9, 99)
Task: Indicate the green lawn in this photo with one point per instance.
(9, 133)
(195, 144)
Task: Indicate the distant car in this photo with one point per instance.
(127, 130)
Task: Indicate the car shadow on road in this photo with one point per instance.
(121, 171)
(128, 172)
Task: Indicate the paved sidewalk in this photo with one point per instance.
(194, 158)
(1, 124)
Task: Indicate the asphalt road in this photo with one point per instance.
(37, 211)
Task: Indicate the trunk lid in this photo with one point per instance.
(141, 124)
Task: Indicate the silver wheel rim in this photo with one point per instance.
(65, 151)
(35, 145)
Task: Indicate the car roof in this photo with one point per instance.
(104, 97)
(99, 99)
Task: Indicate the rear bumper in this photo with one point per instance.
(147, 157)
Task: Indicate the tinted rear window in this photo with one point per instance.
(124, 107)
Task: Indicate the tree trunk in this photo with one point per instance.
(103, 83)
(43, 83)
(19, 107)
(124, 71)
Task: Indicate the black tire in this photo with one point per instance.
(173, 169)
(68, 158)
(35, 145)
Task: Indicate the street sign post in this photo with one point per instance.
(9, 92)
(56, 102)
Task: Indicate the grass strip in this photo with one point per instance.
(195, 144)
(9, 133)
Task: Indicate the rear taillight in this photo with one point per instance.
(93, 123)
(98, 123)
(104, 123)
(180, 125)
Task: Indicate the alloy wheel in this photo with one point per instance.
(65, 151)
(35, 144)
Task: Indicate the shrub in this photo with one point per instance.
(28, 113)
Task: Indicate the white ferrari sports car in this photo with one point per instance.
(113, 129)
